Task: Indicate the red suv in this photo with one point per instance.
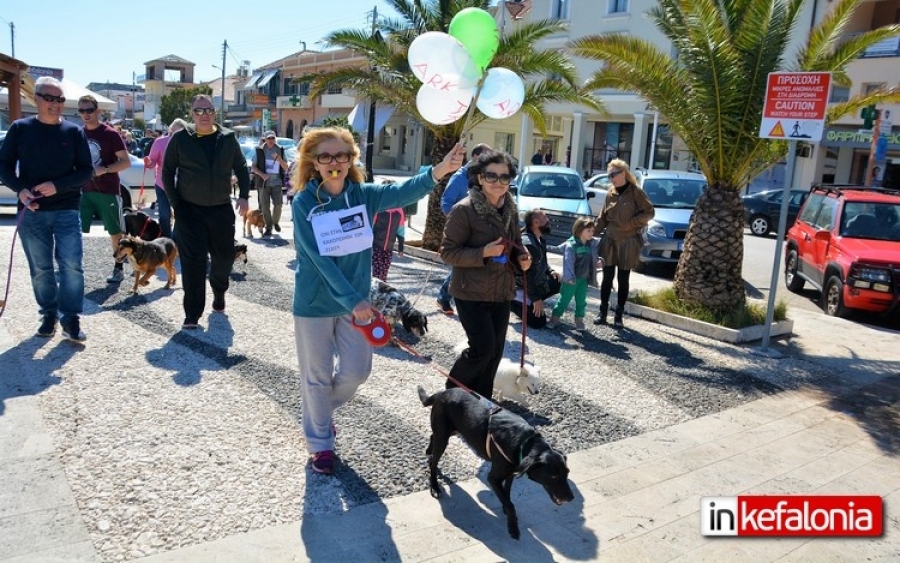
(846, 243)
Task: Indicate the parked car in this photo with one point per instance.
(598, 185)
(763, 209)
(674, 194)
(846, 244)
(553, 188)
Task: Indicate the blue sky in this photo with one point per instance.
(105, 40)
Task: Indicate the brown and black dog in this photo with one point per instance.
(499, 436)
(147, 256)
(139, 224)
(254, 219)
(240, 255)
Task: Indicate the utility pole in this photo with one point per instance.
(222, 101)
(12, 38)
(370, 133)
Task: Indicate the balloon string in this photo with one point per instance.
(462, 136)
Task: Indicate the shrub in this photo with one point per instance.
(666, 300)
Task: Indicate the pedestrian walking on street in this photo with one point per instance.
(197, 170)
(626, 211)
(269, 168)
(483, 244)
(155, 161)
(385, 232)
(457, 188)
(334, 273)
(581, 261)
(100, 195)
(46, 161)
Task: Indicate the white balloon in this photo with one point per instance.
(502, 93)
(441, 62)
(442, 106)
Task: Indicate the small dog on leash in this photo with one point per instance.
(139, 224)
(252, 219)
(511, 381)
(499, 436)
(146, 257)
(240, 255)
(397, 308)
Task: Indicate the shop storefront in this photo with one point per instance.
(846, 152)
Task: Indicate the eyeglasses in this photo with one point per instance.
(87, 110)
(50, 98)
(614, 174)
(493, 178)
(325, 158)
(204, 111)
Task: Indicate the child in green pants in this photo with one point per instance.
(580, 264)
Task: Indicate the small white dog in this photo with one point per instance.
(511, 381)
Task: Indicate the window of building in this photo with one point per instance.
(386, 138)
(334, 90)
(839, 94)
(560, 9)
(303, 89)
(504, 142)
(869, 87)
(616, 6)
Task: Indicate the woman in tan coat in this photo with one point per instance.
(626, 211)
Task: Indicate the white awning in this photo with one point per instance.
(267, 77)
(252, 82)
(359, 116)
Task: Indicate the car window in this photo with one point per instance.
(797, 198)
(564, 186)
(825, 218)
(813, 205)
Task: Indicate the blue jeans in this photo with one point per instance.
(164, 209)
(49, 234)
(444, 293)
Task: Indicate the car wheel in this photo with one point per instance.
(760, 226)
(791, 279)
(125, 193)
(834, 298)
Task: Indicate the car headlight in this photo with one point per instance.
(656, 230)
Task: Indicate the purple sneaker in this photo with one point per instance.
(323, 462)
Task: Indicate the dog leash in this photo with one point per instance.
(12, 249)
(144, 226)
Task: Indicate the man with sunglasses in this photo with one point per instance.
(46, 161)
(269, 167)
(101, 193)
(197, 170)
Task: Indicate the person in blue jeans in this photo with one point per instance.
(457, 188)
(53, 162)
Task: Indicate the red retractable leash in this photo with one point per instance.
(377, 331)
(12, 249)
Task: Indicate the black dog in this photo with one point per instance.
(397, 308)
(500, 437)
(139, 224)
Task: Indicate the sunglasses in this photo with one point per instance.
(204, 111)
(493, 178)
(614, 174)
(50, 98)
(87, 110)
(325, 158)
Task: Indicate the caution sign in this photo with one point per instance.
(795, 106)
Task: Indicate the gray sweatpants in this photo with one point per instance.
(335, 359)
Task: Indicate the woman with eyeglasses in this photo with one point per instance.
(483, 244)
(626, 211)
(334, 272)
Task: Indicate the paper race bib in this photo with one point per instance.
(343, 232)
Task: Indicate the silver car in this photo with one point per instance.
(673, 194)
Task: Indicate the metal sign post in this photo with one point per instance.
(794, 110)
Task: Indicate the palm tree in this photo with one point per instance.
(712, 94)
(388, 79)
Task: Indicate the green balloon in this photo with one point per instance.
(477, 31)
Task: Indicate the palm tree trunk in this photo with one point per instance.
(434, 220)
(709, 272)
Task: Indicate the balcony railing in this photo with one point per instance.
(889, 47)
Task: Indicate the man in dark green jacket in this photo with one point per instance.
(196, 174)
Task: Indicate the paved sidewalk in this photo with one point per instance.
(637, 499)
